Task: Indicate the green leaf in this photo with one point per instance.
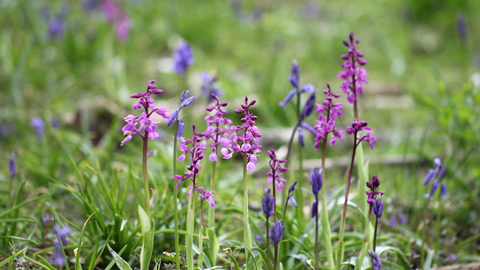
(213, 245)
(121, 263)
(148, 232)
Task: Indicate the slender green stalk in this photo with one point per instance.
(316, 234)
(191, 227)
(300, 214)
(275, 263)
(439, 218)
(325, 219)
(211, 210)
(340, 245)
(145, 180)
(200, 237)
(375, 235)
(268, 247)
(424, 239)
(175, 196)
(247, 234)
(363, 251)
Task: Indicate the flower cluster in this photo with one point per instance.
(215, 132)
(268, 203)
(326, 123)
(209, 87)
(436, 174)
(372, 194)
(246, 144)
(196, 150)
(353, 76)
(145, 121)
(316, 181)
(276, 233)
(183, 58)
(356, 127)
(118, 17)
(204, 194)
(375, 260)
(276, 170)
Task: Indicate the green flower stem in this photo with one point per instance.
(145, 179)
(211, 210)
(275, 263)
(363, 251)
(424, 239)
(247, 234)
(299, 195)
(375, 235)
(269, 255)
(438, 224)
(340, 245)
(200, 236)
(325, 219)
(175, 196)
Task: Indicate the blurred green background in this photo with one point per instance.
(63, 60)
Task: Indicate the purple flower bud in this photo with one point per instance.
(184, 95)
(276, 233)
(295, 74)
(287, 98)
(12, 165)
(173, 117)
(291, 189)
(308, 107)
(187, 102)
(375, 260)
(316, 180)
(443, 189)
(301, 137)
(378, 207)
(309, 88)
(429, 176)
(293, 201)
(434, 188)
(268, 203)
(181, 127)
(314, 209)
(442, 172)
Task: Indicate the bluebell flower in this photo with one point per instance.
(378, 207)
(38, 124)
(375, 260)
(268, 203)
(62, 233)
(316, 180)
(58, 254)
(183, 58)
(276, 233)
(291, 191)
(12, 166)
(184, 102)
(435, 175)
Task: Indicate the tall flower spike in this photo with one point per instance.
(145, 122)
(218, 128)
(183, 58)
(295, 81)
(268, 203)
(353, 76)
(328, 113)
(435, 175)
(276, 170)
(196, 151)
(247, 143)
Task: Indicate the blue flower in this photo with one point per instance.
(276, 233)
(375, 260)
(268, 203)
(183, 58)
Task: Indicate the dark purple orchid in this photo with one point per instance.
(358, 126)
(145, 121)
(353, 76)
(218, 128)
(326, 120)
(276, 170)
(246, 143)
(372, 194)
(196, 150)
(204, 195)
